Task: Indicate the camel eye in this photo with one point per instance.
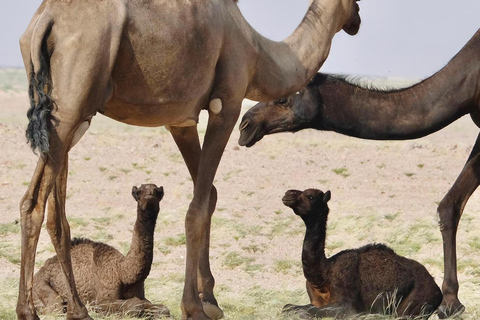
(310, 198)
(281, 101)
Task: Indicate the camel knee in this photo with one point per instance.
(26, 206)
(448, 214)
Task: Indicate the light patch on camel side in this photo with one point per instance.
(216, 106)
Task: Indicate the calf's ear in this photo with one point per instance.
(159, 193)
(135, 193)
(327, 196)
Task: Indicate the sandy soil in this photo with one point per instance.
(388, 193)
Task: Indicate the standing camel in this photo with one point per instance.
(332, 103)
(153, 63)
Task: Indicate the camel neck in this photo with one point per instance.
(138, 261)
(313, 253)
(401, 114)
(284, 67)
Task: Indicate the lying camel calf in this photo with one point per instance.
(369, 279)
(105, 278)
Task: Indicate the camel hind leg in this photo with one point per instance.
(422, 301)
(78, 62)
(450, 210)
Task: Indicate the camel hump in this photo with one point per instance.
(375, 247)
(80, 241)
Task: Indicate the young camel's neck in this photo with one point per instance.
(137, 263)
(314, 261)
(402, 114)
(284, 67)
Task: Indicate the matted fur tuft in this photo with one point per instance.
(40, 112)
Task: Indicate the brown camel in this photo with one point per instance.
(153, 63)
(332, 103)
(370, 279)
(105, 278)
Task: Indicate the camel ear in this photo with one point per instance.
(136, 193)
(158, 193)
(327, 196)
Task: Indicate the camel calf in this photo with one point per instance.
(105, 278)
(368, 279)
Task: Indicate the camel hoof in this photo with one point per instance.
(450, 310)
(212, 311)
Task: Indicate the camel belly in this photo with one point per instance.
(153, 115)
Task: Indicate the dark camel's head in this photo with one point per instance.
(295, 112)
(308, 204)
(353, 24)
(148, 197)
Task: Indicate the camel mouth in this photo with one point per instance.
(290, 198)
(354, 26)
(249, 135)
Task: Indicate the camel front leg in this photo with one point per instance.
(197, 222)
(188, 143)
(450, 211)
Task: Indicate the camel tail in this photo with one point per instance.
(40, 88)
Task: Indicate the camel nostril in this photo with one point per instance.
(244, 124)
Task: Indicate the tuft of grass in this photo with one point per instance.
(391, 217)
(409, 174)
(234, 259)
(341, 172)
(474, 243)
(10, 252)
(284, 266)
(179, 240)
(77, 222)
(12, 227)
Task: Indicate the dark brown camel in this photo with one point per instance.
(153, 63)
(105, 278)
(370, 279)
(332, 103)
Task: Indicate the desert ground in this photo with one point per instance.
(385, 192)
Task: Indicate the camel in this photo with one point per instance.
(370, 279)
(334, 104)
(153, 63)
(105, 278)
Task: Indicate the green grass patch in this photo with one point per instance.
(233, 260)
(341, 172)
(179, 240)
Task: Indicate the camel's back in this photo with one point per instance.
(381, 270)
(95, 268)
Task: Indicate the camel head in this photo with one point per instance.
(293, 113)
(148, 197)
(352, 24)
(308, 204)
